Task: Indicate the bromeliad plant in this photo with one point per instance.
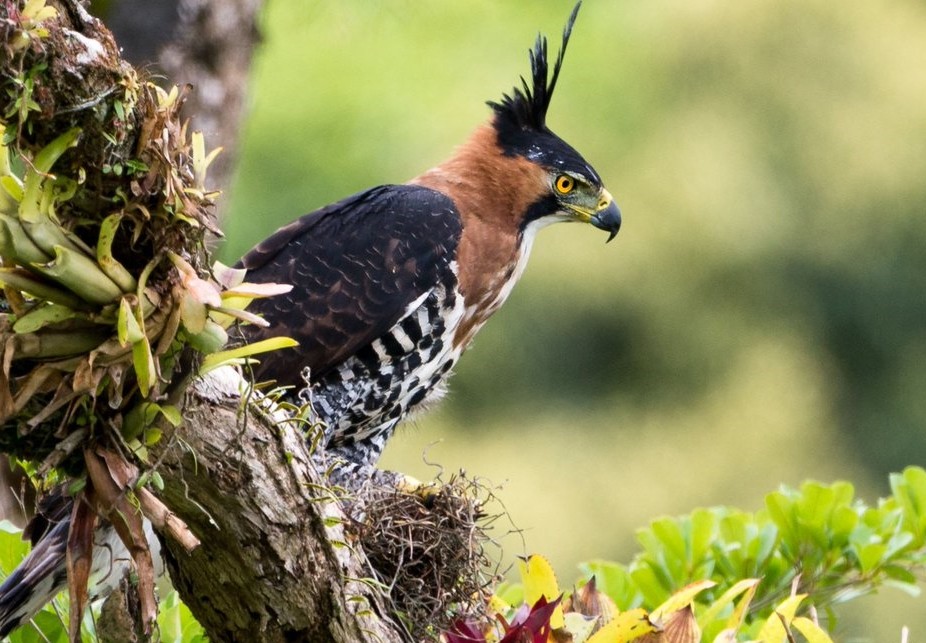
(79, 323)
(108, 307)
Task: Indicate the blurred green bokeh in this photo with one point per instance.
(761, 318)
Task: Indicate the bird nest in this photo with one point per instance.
(428, 549)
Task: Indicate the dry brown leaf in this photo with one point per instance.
(111, 500)
(589, 601)
(79, 558)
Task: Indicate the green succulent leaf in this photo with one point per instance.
(41, 316)
(234, 355)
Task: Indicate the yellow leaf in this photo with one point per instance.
(738, 617)
(104, 255)
(44, 14)
(152, 436)
(13, 187)
(747, 585)
(680, 599)
(242, 315)
(201, 160)
(498, 606)
(579, 626)
(145, 369)
(37, 11)
(186, 270)
(625, 627)
(810, 630)
(128, 329)
(233, 302)
(539, 580)
(253, 291)
(774, 629)
(169, 98)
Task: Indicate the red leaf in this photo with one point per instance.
(533, 626)
(464, 631)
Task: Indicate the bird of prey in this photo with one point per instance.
(390, 286)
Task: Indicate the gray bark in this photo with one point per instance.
(274, 565)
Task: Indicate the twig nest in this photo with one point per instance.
(428, 551)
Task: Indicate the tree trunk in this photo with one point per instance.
(274, 565)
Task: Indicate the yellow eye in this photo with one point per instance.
(564, 184)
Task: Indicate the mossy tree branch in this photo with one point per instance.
(275, 563)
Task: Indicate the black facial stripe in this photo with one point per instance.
(542, 207)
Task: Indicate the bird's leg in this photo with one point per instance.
(353, 468)
(349, 461)
(351, 464)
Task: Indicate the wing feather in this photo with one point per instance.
(356, 266)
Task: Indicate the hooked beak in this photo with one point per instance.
(608, 215)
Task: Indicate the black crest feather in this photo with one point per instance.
(526, 107)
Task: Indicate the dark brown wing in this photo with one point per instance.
(355, 267)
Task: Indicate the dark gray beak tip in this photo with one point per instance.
(609, 220)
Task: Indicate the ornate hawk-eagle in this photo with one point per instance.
(390, 286)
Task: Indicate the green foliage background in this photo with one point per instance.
(760, 318)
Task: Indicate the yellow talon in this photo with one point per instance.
(415, 487)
